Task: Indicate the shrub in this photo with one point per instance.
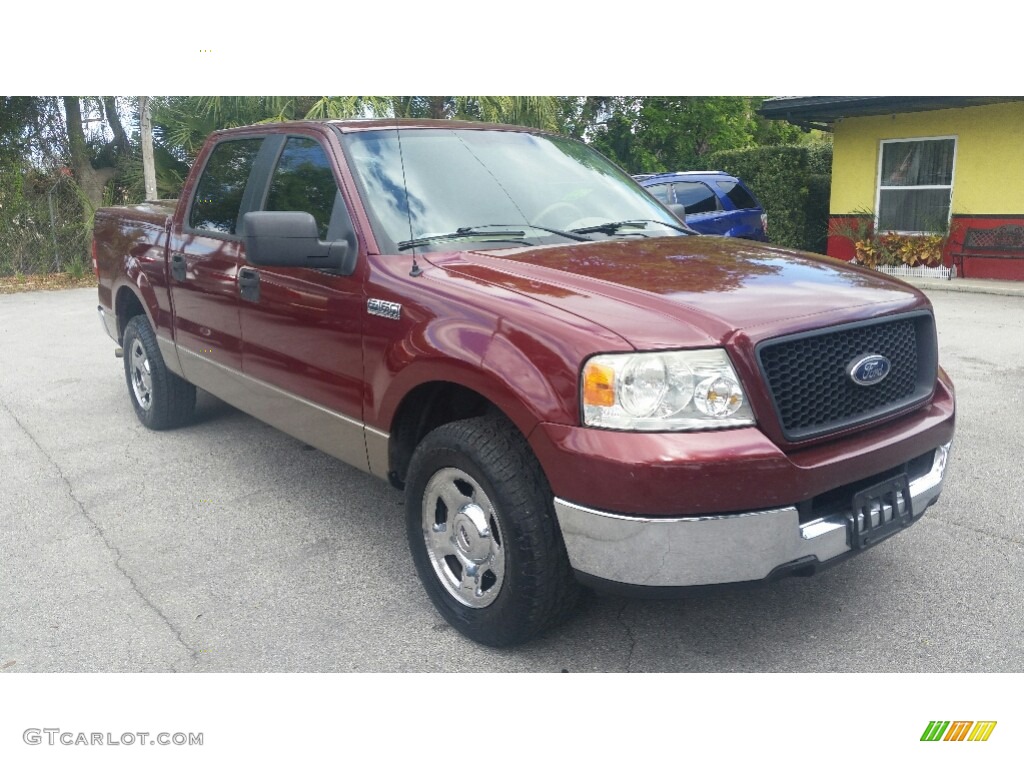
(792, 183)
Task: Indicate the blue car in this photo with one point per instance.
(715, 202)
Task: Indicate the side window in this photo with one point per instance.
(737, 194)
(696, 196)
(303, 181)
(661, 191)
(219, 191)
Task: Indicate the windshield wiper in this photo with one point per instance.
(478, 231)
(612, 227)
(462, 233)
(573, 235)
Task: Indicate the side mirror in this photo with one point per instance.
(679, 210)
(291, 239)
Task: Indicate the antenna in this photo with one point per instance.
(415, 271)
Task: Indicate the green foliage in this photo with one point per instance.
(819, 191)
(773, 133)
(76, 269)
(790, 185)
(170, 174)
(659, 133)
(41, 227)
(649, 134)
(16, 113)
(534, 111)
(181, 124)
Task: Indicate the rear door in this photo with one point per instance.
(204, 255)
(703, 210)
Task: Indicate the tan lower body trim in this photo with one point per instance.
(329, 431)
(169, 353)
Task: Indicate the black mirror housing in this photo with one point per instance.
(291, 239)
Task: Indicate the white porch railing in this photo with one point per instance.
(942, 273)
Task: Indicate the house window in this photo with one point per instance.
(915, 185)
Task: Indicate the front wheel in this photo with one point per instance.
(483, 533)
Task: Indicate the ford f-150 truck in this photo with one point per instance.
(570, 386)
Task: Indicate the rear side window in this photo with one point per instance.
(697, 196)
(662, 192)
(303, 181)
(219, 191)
(737, 195)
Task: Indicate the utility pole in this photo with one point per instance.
(148, 168)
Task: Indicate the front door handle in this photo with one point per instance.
(249, 284)
(178, 267)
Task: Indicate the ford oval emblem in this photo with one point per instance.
(868, 370)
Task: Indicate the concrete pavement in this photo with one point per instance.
(969, 285)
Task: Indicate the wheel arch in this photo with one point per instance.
(128, 304)
(135, 296)
(528, 380)
(431, 404)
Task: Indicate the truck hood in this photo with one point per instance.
(688, 291)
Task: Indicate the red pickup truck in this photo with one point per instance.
(570, 386)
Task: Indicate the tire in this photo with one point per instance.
(483, 533)
(161, 399)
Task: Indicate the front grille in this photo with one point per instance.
(814, 395)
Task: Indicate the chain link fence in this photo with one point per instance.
(43, 223)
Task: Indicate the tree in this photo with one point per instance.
(671, 133)
(146, 131)
(93, 166)
(16, 113)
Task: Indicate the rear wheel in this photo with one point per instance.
(161, 399)
(483, 533)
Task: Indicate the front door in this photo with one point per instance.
(302, 328)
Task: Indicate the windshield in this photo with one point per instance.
(436, 189)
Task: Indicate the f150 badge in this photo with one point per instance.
(388, 309)
(869, 370)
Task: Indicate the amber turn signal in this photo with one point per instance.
(598, 385)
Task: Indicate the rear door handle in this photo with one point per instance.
(249, 284)
(178, 267)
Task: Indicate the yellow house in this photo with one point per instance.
(914, 165)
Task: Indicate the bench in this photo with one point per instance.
(1002, 242)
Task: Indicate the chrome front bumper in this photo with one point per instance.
(717, 549)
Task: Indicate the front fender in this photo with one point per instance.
(476, 378)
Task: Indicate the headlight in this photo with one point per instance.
(663, 391)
